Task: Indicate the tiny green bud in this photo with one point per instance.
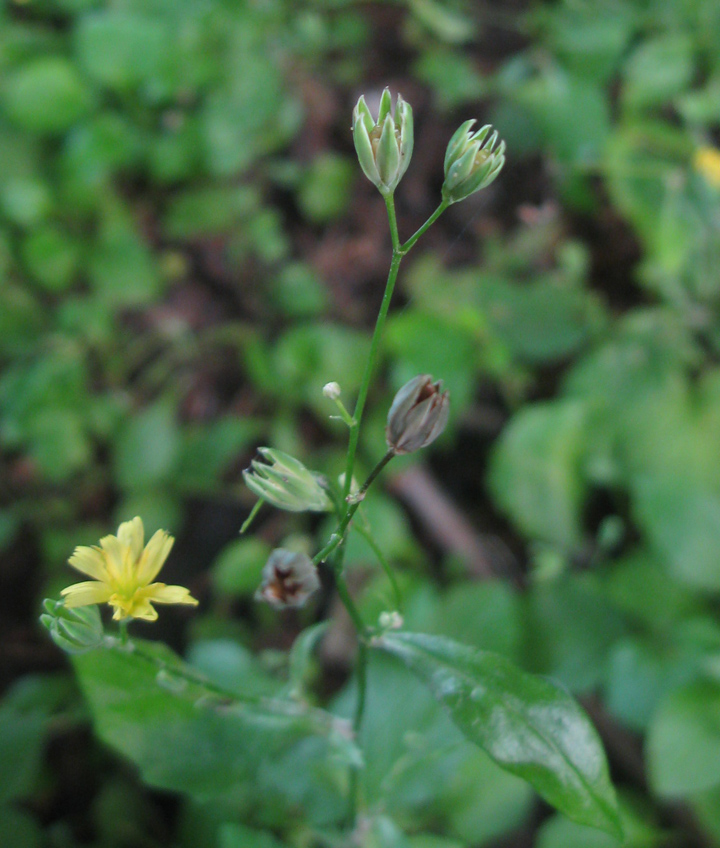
(74, 630)
(471, 161)
(418, 415)
(286, 483)
(390, 620)
(384, 147)
(288, 579)
(332, 390)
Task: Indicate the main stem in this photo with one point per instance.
(374, 344)
(335, 545)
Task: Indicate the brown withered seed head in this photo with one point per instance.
(288, 579)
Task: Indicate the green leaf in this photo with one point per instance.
(325, 191)
(237, 569)
(658, 69)
(186, 734)
(121, 267)
(121, 50)
(22, 737)
(147, 447)
(301, 656)
(528, 725)
(234, 835)
(535, 474)
(52, 257)
(684, 741)
(25, 830)
(561, 833)
(682, 521)
(419, 765)
(46, 95)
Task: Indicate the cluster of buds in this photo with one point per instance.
(73, 630)
(472, 161)
(384, 146)
(418, 415)
(288, 579)
(286, 483)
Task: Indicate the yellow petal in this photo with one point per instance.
(89, 561)
(145, 610)
(86, 593)
(159, 593)
(115, 557)
(154, 556)
(132, 535)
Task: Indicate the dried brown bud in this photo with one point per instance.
(418, 415)
(288, 579)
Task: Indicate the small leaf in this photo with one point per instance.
(527, 724)
(684, 741)
(301, 656)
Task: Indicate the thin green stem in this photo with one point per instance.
(350, 606)
(367, 535)
(344, 414)
(335, 546)
(357, 498)
(123, 631)
(339, 535)
(392, 218)
(361, 668)
(405, 248)
(253, 512)
(372, 355)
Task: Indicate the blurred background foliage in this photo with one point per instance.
(189, 252)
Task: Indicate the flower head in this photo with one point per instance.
(286, 483)
(288, 579)
(418, 415)
(384, 146)
(707, 162)
(472, 161)
(123, 571)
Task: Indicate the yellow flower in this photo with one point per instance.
(122, 571)
(707, 163)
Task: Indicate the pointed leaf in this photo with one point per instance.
(527, 724)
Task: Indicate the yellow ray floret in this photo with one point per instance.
(123, 569)
(707, 163)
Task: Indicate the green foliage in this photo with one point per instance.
(187, 734)
(528, 725)
(188, 254)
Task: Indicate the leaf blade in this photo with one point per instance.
(527, 724)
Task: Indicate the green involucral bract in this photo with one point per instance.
(471, 161)
(286, 483)
(384, 147)
(73, 630)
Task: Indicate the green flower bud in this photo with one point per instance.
(288, 579)
(73, 630)
(418, 415)
(284, 482)
(471, 161)
(384, 147)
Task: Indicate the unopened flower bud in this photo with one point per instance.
(471, 161)
(384, 147)
(288, 579)
(286, 483)
(332, 390)
(74, 630)
(418, 415)
(390, 620)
